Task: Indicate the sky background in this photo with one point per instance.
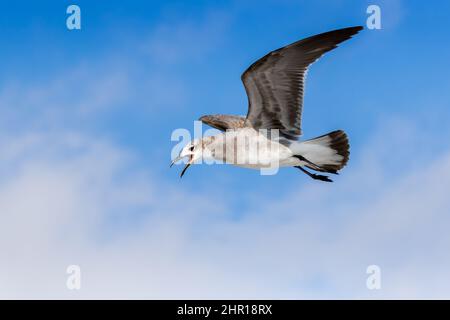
(86, 118)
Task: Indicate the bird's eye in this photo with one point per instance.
(191, 148)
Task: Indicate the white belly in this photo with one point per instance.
(249, 149)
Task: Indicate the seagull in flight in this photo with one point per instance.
(270, 132)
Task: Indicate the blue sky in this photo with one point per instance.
(85, 123)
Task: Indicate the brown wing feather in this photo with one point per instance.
(224, 122)
(275, 83)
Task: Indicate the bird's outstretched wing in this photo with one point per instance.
(224, 122)
(275, 83)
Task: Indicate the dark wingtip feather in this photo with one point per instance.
(341, 145)
(355, 30)
(349, 30)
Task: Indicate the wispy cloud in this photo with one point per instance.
(71, 96)
(68, 199)
(186, 41)
(70, 195)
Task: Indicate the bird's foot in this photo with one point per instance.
(315, 176)
(321, 177)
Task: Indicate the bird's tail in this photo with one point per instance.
(327, 153)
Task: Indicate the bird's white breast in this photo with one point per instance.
(247, 148)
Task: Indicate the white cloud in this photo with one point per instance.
(184, 41)
(147, 78)
(72, 96)
(71, 199)
(68, 197)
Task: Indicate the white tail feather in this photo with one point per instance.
(329, 152)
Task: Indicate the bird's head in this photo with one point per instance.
(192, 151)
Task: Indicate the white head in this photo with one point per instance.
(193, 150)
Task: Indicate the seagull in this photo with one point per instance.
(270, 132)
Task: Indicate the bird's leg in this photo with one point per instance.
(314, 166)
(315, 176)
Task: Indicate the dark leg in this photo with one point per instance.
(315, 176)
(314, 166)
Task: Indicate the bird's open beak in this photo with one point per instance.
(175, 160)
(185, 168)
